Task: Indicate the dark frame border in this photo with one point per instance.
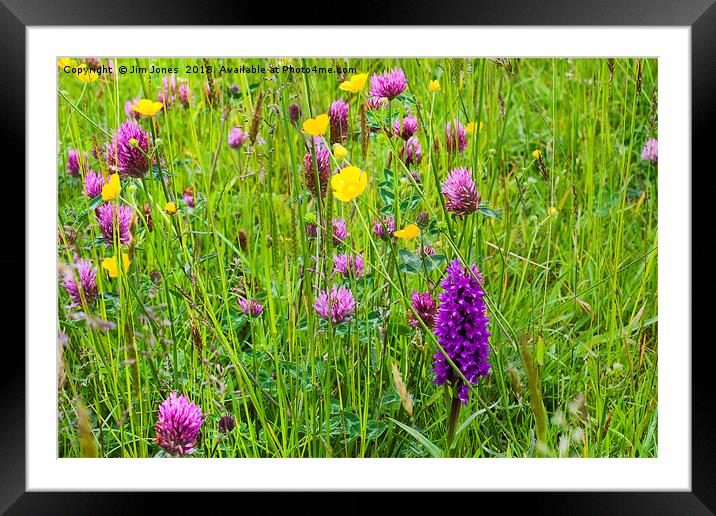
(16, 15)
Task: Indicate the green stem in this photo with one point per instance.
(535, 388)
(452, 422)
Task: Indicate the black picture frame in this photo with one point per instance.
(17, 15)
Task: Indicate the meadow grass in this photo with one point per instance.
(568, 252)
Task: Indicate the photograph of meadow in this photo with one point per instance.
(357, 257)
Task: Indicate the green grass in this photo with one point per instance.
(572, 296)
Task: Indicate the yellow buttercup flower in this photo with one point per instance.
(536, 154)
(316, 126)
(434, 86)
(111, 265)
(66, 61)
(553, 211)
(408, 232)
(349, 183)
(470, 128)
(339, 151)
(111, 190)
(147, 107)
(86, 75)
(170, 208)
(355, 84)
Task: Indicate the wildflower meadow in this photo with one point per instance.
(362, 257)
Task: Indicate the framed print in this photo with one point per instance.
(359, 258)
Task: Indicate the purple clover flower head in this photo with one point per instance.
(422, 218)
(189, 198)
(426, 250)
(338, 114)
(319, 142)
(294, 113)
(461, 327)
(88, 282)
(166, 101)
(167, 93)
(375, 103)
(323, 160)
(208, 92)
(226, 424)
(388, 84)
(128, 108)
(170, 83)
(237, 137)
(251, 308)
(73, 162)
(455, 131)
(425, 306)
(406, 127)
(338, 304)
(348, 264)
(110, 65)
(94, 181)
(460, 191)
(106, 215)
(184, 93)
(125, 157)
(340, 231)
(178, 425)
(412, 152)
(650, 152)
(384, 229)
(311, 230)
